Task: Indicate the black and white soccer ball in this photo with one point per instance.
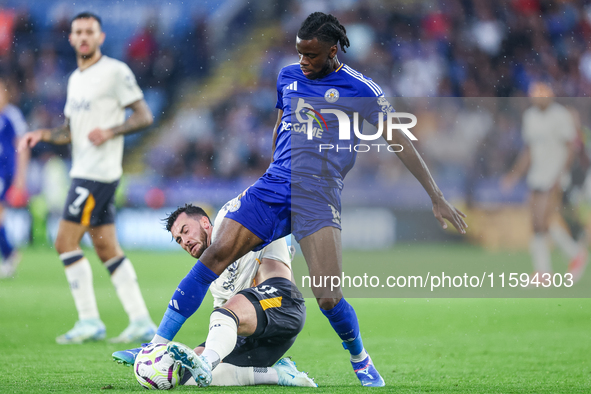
(156, 369)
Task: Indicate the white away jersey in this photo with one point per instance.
(97, 97)
(547, 133)
(240, 274)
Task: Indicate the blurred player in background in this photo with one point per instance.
(549, 133)
(305, 202)
(13, 168)
(99, 91)
(573, 195)
(258, 310)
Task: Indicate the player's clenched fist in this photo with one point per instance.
(31, 139)
(98, 136)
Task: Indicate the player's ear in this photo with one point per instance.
(102, 38)
(333, 51)
(205, 222)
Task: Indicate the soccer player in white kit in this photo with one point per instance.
(549, 133)
(99, 91)
(258, 311)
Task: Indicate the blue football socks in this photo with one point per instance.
(5, 246)
(343, 320)
(186, 299)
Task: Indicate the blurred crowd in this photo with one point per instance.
(455, 48)
(411, 48)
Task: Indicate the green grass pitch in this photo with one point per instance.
(420, 345)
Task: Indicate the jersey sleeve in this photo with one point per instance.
(18, 121)
(67, 112)
(126, 88)
(526, 132)
(375, 106)
(568, 129)
(277, 250)
(67, 109)
(279, 104)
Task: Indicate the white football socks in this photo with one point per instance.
(221, 340)
(359, 357)
(540, 253)
(124, 279)
(265, 375)
(564, 241)
(158, 339)
(231, 375)
(79, 275)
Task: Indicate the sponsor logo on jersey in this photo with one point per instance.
(331, 95)
(229, 283)
(79, 105)
(315, 123)
(385, 105)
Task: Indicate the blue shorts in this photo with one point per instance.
(5, 183)
(277, 205)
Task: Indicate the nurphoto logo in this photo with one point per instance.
(315, 123)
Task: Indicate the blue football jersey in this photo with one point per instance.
(7, 148)
(297, 149)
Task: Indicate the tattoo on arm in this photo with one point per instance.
(59, 135)
(140, 118)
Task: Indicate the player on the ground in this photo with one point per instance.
(258, 310)
(549, 133)
(99, 91)
(13, 167)
(300, 192)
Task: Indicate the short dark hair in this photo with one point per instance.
(189, 209)
(87, 15)
(324, 28)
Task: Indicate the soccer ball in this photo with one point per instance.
(155, 369)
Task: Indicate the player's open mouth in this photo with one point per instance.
(193, 249)
(306, 72)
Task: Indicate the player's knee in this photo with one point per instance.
(104, 254)
(327, 303)
(105, 250)
(539, 226)
(62, 245)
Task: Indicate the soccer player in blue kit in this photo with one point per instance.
(13, 167)
(300, 194)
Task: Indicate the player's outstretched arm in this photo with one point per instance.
(521, 166)
(17, 194)
(415, 164)
(140, 118)
(59, 135)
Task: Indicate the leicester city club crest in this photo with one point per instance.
(234, 205)
(331, 95)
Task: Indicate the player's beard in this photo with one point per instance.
(323, 72)
(204, 244)
(87, 55)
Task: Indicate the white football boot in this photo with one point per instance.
(138, 331)
(289, 375)
(197, 365)
(84, 331)
(8, 266)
